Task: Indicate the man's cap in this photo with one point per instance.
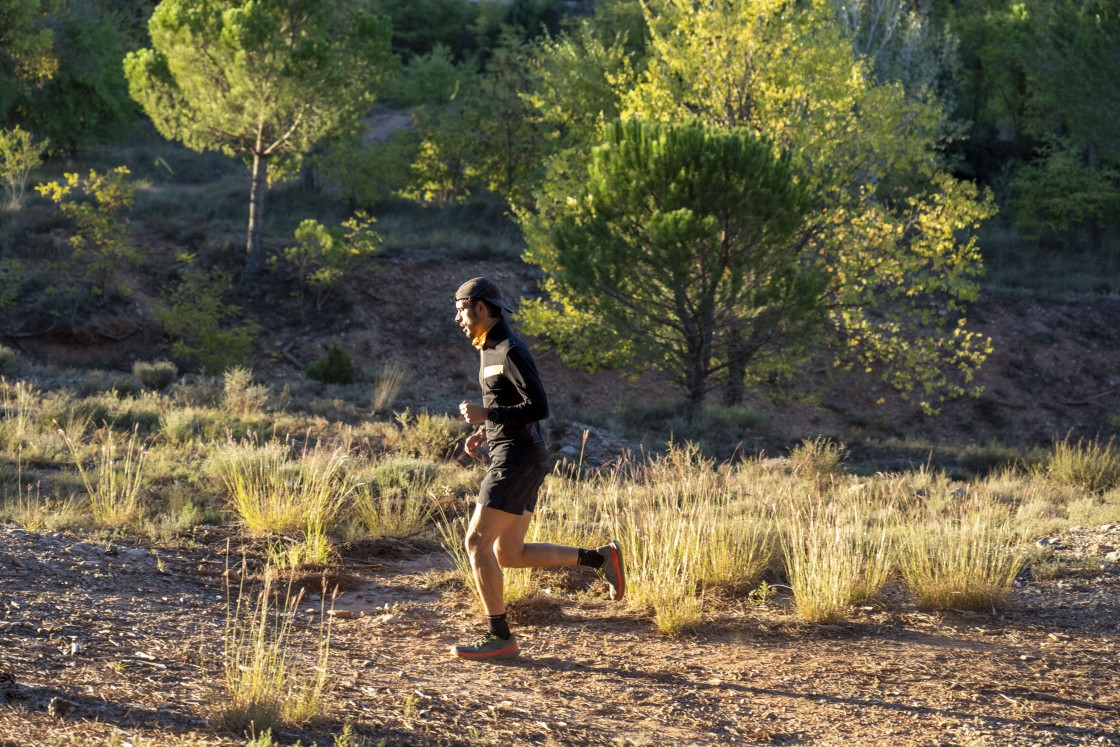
(482, 289)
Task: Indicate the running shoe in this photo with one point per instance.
(488, 646)
(612, 569)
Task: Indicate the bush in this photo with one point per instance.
(241, 395)
(9, 359)
(333, 368)
(194, 314)
(156, 374)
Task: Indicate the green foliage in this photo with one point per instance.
(27, 55)
(682, 245)
(890, 227)
(194, 312)
(419, 26)
(321, 258)
(903, 43)
(333, 368)
(487, 137)
(430, 78)
(20, 153)
(97, 205)
(1057, 191)
(86, 100)
(1073, 177)
(11, 277)
(441, 172)
(366, 173)
(263, 80)
(507, 144)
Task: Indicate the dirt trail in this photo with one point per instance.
(129, 639)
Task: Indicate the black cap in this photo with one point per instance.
(482, 289)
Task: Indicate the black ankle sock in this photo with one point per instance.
(499, 626)
(591, 559)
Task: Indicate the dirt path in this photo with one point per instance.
(125, 643)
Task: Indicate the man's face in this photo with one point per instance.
(469, 317)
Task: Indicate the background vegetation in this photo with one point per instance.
(911, 156)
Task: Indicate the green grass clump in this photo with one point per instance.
(155, 374)
(966, 559)
(115, 484)
(266, 682)
(1090, 465)
(240, 395)
(272, 493)
(837, 554)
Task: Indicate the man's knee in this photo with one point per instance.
(473, 543)
(508, 553)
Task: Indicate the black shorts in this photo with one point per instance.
(512, 488)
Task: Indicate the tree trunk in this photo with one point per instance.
(734, 389)
(254, 249)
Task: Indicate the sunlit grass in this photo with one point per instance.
(964, 559)
(837, 554)
(116, 481)
(1090, 465)
(274, 494)
(269, 677)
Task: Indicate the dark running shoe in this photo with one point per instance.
(488, 646)
(612, 570)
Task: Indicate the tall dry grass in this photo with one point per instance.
(270, 676)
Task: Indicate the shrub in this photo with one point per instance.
(240, 395)
(272, 493)
(333, 368)
(818, 459)
(430, 437)
(9, 359)
(19, 155)
(102, 238)
(194, 314)
(267, 682)
(116, 486)
(835, 556)
(156, 374)
(386, 386)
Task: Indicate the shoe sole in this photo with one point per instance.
(619, 571)
(488, 655)
(503, 653)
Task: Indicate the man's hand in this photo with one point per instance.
(474, 441)
(474, 414)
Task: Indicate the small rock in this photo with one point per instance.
(1113, 557)
(134, 555)
(59, 708)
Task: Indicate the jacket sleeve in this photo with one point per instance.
(522, 373)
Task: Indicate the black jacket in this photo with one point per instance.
(512, 391)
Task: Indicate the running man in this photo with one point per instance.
(513, 404)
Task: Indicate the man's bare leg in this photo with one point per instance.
(495, 540)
